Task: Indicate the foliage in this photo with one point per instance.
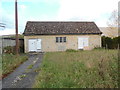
(83, 69)
(0, 67)
(19, 36)
(71, 50)
(30, 66)
(11, 49)
(110, 43)
(98, 48)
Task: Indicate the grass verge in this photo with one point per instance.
(82, 69)
(0, 66)
(10, 62)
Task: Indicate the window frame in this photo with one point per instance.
(61, 40)
(57, 39)
(64, 39)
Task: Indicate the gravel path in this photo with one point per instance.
(24, 75)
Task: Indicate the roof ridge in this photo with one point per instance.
(62, 21)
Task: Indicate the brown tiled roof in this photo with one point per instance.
(60, 28)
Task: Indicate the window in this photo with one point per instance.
(64, 39)
(60, 39)
(57, 39)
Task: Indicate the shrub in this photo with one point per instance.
(9, 49)
(110, 43)
(98, 48)
(71, 50)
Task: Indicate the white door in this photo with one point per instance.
(85, 42)
(82, 42)
(38, 45)
(34, 45)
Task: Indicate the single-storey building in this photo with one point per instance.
(60, 36)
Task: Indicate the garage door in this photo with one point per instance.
(82, 42)
(34, 45)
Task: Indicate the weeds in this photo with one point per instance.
(71, 50)
(22, 76)
(83, 69)
(30, 66)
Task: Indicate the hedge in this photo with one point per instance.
(111, 43)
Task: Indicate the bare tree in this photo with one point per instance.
(113, 24)
(113, 19)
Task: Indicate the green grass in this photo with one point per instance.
(82, 69)
(30, 66)
(0, 66)
(10, 62)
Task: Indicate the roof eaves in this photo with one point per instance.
(65, 34)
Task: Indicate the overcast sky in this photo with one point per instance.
(98, 11)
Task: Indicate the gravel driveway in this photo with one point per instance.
(24, 75)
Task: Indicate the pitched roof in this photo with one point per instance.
(109, 31)
(60, 28)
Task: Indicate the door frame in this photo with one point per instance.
(36, 50)
(83, 41)
(39, 49)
